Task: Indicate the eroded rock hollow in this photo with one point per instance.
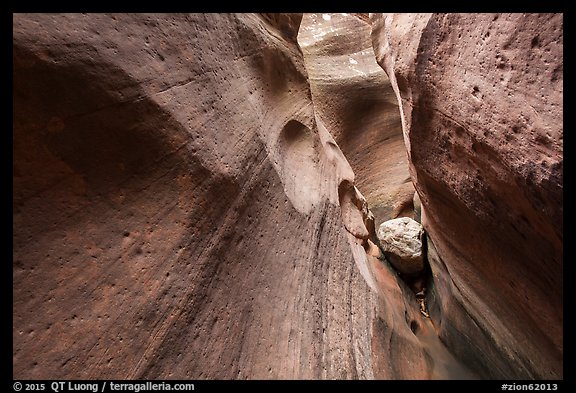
(197, 196)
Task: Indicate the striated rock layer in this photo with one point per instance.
(176, 212)
(481, 105)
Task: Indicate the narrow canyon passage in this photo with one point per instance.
(354, 100)
(200, 196)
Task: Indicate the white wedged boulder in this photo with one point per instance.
(401, 241)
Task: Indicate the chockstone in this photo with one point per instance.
(401, 242)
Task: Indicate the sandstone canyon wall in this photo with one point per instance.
(481, 105)
(175, 212)
(192, 195)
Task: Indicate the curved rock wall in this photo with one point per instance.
(354, 100)
(162, 228)
(481, 105)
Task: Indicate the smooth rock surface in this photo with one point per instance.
(401, 241)
(481, 104)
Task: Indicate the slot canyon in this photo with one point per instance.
(287, 196)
